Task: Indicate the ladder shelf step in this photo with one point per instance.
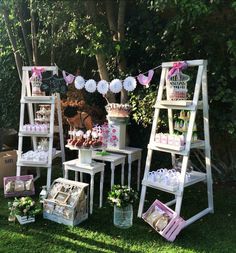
(195, 177)
(37, 134)
(178, 104)
(180, 150)
(38, 99)
(28, 163)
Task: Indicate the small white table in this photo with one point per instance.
(134, 154)
(115, 160)
(91, 169)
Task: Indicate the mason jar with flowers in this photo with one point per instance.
(24, 209)
(122, 198)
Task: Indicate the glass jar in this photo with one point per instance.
(43, 193)
(123, 216)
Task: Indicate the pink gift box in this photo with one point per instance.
(18, 193)
(164, 138)
(158, 138)
(177, 141)
(171, 140)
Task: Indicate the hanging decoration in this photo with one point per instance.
(130, 83)
(103, 87)
(90, 86)
(145, 80)
(79, 82)
(37, 73)
(69, 79)
(115, 86)
(54, 84)
(177, 69)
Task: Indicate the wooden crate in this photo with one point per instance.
(57, 207)
(13, 192)
(175, 224)
(25, 220)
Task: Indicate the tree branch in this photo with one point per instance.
(19, 11)
(12, 39)
(33, 32)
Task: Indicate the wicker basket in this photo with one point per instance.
(177, 87)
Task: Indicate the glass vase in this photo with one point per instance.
(123, 216)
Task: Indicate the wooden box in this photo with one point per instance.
(19, 186)
(66, 202)
(175, 222)
(25, 220)
(7, 165)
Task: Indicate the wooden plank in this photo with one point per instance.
(191, 63)
(47, 68)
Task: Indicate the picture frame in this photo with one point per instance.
(61, 197)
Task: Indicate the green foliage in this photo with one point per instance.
(24, 206)
(142, 106)
(122, 196)
(9, 84)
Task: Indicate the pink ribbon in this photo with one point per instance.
(69, 79)
(177, 68)
(37, 72)
(145, 80)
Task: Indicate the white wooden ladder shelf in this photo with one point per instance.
(32, 102)
(192, 106)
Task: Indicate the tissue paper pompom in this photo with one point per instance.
(103, 87)
(115, 86)
(79, 82)
(130, 83)
(90, 85)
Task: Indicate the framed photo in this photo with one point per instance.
(61, 197)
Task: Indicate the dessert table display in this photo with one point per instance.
(85, 143)
(66, 202)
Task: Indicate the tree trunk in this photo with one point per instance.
(111, 19)
(12, 39)
(100, 58)
(104, 74)
(52, 44)
(19, 11)
(121, 36)
(33, 33)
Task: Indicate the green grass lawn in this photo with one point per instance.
(213, 233)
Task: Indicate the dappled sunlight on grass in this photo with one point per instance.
(213, 233)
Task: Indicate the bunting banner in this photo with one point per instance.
(116, 85)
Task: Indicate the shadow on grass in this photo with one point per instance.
(58, 236)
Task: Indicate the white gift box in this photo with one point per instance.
(117, 134)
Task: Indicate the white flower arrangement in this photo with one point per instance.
(130, 83)
(115, 86)
(90, 86)
(103, 87)
(79, 82)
